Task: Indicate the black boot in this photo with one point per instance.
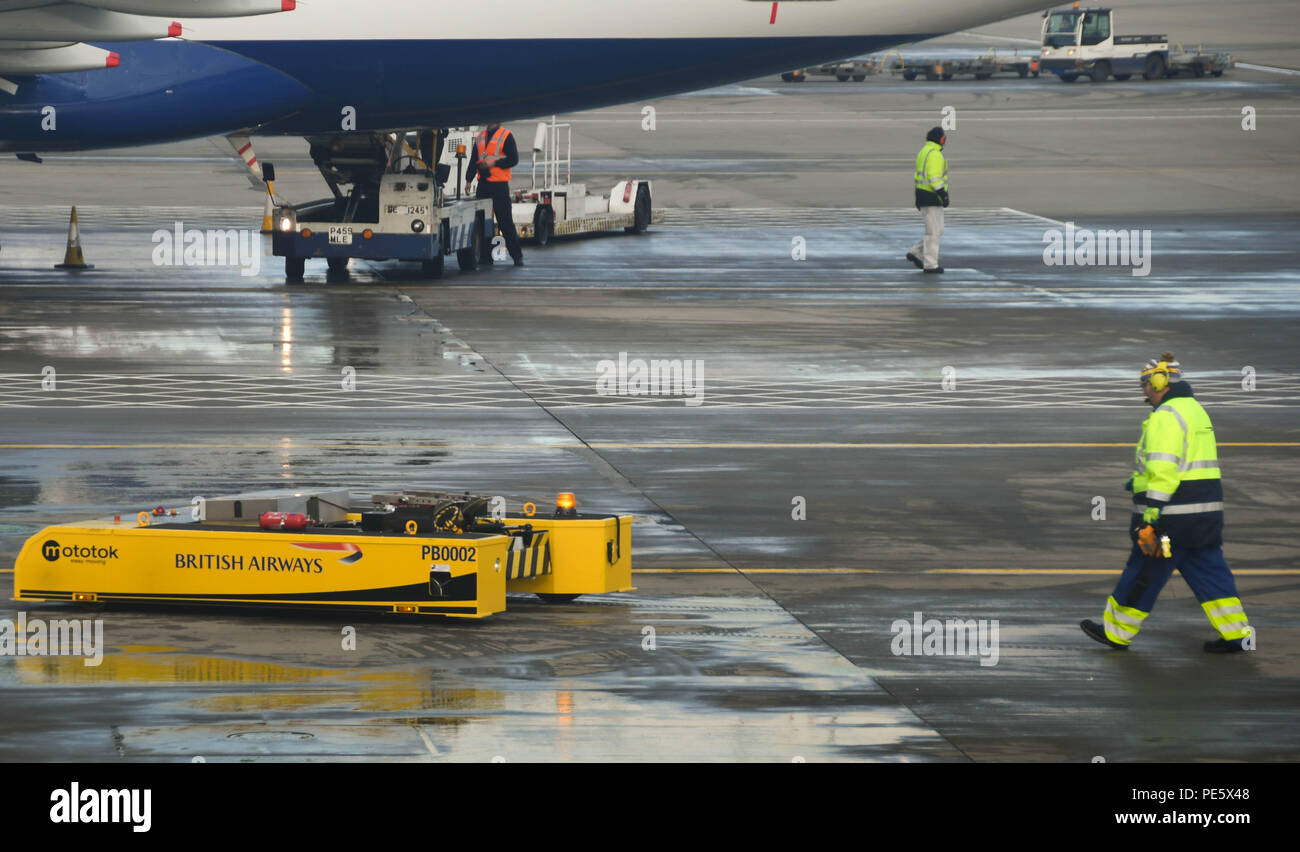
(1096, 631)
(916, 260)
(1223, 646)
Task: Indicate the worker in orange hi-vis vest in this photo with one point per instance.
(493, 155)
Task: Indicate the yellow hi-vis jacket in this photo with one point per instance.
(931, 174)
(1177, 470)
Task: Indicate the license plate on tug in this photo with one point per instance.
(340, 236)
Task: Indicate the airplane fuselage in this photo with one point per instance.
(337, 65)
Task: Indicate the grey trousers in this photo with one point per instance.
(927, 248)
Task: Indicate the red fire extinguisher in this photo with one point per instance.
(284, 521)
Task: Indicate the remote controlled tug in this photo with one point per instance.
(416, 552)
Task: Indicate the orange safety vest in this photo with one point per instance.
(495, 148)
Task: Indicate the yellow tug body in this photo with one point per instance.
(413, 568)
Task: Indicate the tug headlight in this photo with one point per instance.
(418, 226)
(286, 224)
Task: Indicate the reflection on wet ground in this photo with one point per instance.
(627, 677)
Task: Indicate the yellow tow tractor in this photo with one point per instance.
(417, 552)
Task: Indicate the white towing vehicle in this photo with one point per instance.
(555, 206)
(1083, 41)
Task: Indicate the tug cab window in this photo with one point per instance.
(1096, 27)
(1060, 29)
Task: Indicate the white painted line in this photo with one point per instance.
(1269, 69)
(1033, 41)
(1034, 216)
(433, 749)
(1037, 115)
(136, 158)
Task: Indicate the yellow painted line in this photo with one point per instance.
(905, 446)
(1241, 572)
(643, 445)
(288, 444)
(1259, 443)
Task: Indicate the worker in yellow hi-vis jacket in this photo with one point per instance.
(1177, 519)
(931, 197)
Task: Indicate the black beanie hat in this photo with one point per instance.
(935, 134)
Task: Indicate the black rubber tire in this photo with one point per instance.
(338, 265)
(947, 75)
(543, 225)
(1100, 71)
(788, 77)
(1122, 77)
(556, 599)
(1069, 77)
(1153, 67)
(485, 256)
(843, 78)
(432, 268)
(294, 268)
(858, 78)
(468, 257)
(1216, 73)
(641, 211)
(909, 75)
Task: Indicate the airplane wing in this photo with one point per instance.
(48, 36)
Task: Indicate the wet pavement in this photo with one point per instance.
(622, 678)
(857, 443)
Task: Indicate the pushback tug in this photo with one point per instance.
(416, 552)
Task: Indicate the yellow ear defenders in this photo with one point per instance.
(1158, 378)
(1157, 373)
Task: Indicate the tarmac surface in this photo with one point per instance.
(949, 438)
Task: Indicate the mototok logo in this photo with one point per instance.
(52, 550)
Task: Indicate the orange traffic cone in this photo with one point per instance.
(72, 258)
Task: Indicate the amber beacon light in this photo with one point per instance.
(566, 505)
